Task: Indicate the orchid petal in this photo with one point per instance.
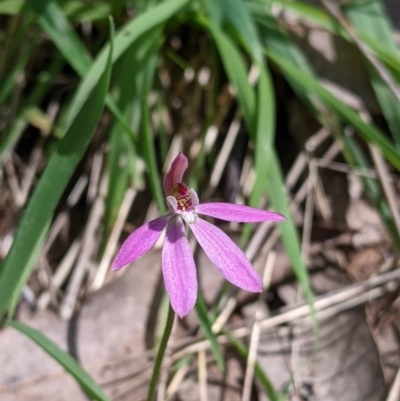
(140, 242)
(172, 204)
(194, 197)
(178, 268)
(238, 213)
(225, 254)
(175, 173)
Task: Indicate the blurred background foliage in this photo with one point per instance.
(240, 86)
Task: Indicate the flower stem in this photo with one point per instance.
(161, 353)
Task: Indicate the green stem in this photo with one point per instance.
(160, 354)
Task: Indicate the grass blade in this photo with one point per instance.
(296, 60)
(261, 12)
(260, 374)
(62, 163)
(271, 174)
(238, 15)
(356, 158)
(11, 7)
(19, 123)
(215, 11)
(389, 104)
(125, 37)
(370, 19)
(264, 139)
(54, 23)
(368, 132)
(236, 70)
(205, 323)
(91, 388)
(275, 183)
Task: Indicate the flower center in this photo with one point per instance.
(183, 197)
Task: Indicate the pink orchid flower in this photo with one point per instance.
(178, 265)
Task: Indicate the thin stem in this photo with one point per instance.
(161, 353)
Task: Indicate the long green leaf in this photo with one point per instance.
(125, 37)
(290, 238)
(11, 7)
(53, 21)
(371, 14)
(56, 25)
(273, 394)
(270, 171)
(62, 163)
(119, 153)
(205, 322)
(264, 139)
(278, 41)
(82, 11)
(236, 69)
(215, 11)
(261, 10)
(8, 83)
(280, 44)
(390, 105)
(261, 129)
(236, 12)
(91, 388)
(370, 18)
(151, 162)
(356, 158)
(127, 86)
(367, 131)
(33, 99)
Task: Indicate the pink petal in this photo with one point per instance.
(239, 213)
(175, 173)
(225, 254)
(140, 242)
(179, 269)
